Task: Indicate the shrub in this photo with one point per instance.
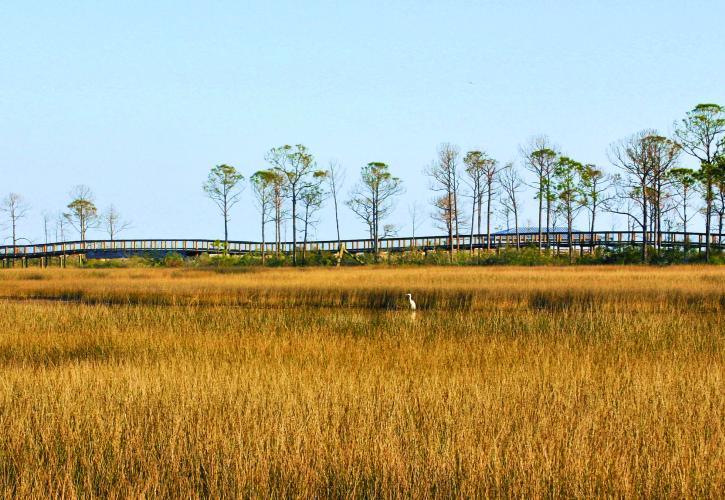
(173, 260)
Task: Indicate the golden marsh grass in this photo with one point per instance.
(296, 383)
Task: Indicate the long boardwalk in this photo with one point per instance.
(190, 247)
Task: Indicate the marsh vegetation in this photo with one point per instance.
(574, 381)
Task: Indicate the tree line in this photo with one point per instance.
(80, 216)
(649, 187)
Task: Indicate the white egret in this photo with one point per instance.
(412, 303)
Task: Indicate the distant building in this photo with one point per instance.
(535, 230)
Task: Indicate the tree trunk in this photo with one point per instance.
(708, 222)
(455, 213)
(686, 237)
(541, 207)
(516, 225)
(263, 240)
(480, 206)
(294, 225)
(570, 235)
(644, 225)
(473, 217)
(304, 242)
(277, 222)
(488, 217)
(450, 226)
(225, 213)
(548, 224)
(548, 214)
(658, 224)
(376, 228)
(337, 218)
(226, 232)
(591, 229)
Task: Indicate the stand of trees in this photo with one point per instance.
(372, 199)
(650, 187)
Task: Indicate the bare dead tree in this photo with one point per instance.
(60, 222)
(504, 213)
(47, 217)
(361, 206)
(445, 179)
(444, 217)
(511, 184)
(15, 209)
(634, 157)
(336, 181)
(113, 223)
(414, 213)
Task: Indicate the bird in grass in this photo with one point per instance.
(412, 303)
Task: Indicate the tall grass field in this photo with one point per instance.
(525, 382)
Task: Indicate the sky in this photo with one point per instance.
(138, 100)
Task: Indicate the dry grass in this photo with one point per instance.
(508, 382)
(615, 288)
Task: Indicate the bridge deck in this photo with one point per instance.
(189, 247)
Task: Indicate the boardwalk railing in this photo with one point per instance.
(580, 240)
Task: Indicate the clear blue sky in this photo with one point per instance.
(139, 99)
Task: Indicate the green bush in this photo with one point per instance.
(173, 260)
(106, 263)
(525, 256)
